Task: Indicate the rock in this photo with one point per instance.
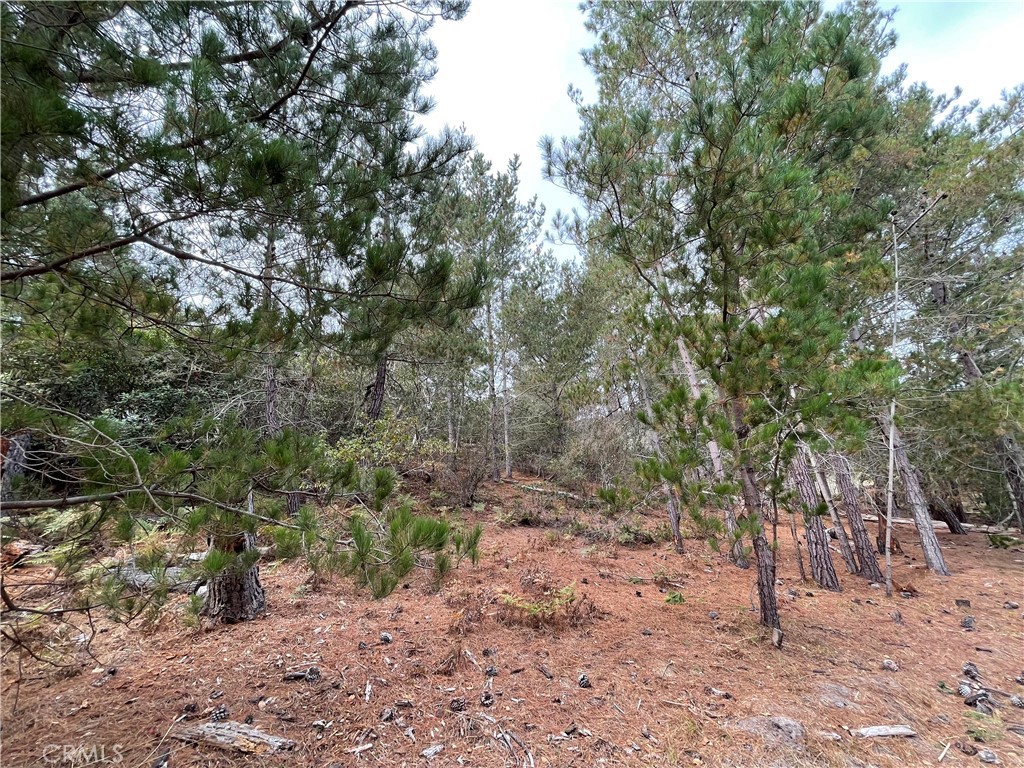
(778, 728)
(829, 736)
(890, 665)
(432, 751)
(874, 731)
(961, 603)
(583, 681)
(712, 614)
(967, 622)
(386, 638)
(988, 756)
(875, 585)
(1010, 605)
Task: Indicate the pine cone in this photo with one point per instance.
(313, 675)
(971, 670)
(219, 714)
(487, 699)
(584, 681)
(964, 690)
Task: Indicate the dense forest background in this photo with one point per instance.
(245, 299)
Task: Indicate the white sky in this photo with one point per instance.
(505, 68)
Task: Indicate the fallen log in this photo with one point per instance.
(883, 730)
(537, 489)
(234, 736)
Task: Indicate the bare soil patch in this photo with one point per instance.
(563, 647)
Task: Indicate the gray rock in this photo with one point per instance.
(829, 736)
(777, 729)
(988, 756)
(890, 666)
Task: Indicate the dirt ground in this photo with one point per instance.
(679, 673)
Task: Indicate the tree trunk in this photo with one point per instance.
(492, 398)
(452, 444)
(655, 441)
(915, 498)
(12, 461)
(940, 509)
(737, 553)
(861, 540)
(833, 510)
(1006, 449)
(763, 555)
(235, 594)
(375, 396)
(822, 570)
(506, 418)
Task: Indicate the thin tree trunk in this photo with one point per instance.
(798, 546)
(737, 552)
(763, 555)
(655, 440)
(492, 397)
(452, 440)
(822, 569)
(861, 539)
(833, 510)
(507, 418)
(915, 498)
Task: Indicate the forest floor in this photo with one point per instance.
(679, 672)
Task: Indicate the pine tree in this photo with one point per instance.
(724, 149)
(240, 179)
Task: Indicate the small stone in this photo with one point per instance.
(987, 756)
(960, 603)
(487, 698)
(386, 638)
(712, 614)
(363, 646)
(219, 714)
(490, 651)
(967, 622)
(890, 665)
(829, 736)
(646, 632)
(584, 681)
(875, 585)
(1010, 605)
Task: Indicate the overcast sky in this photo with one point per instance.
(504, 70)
